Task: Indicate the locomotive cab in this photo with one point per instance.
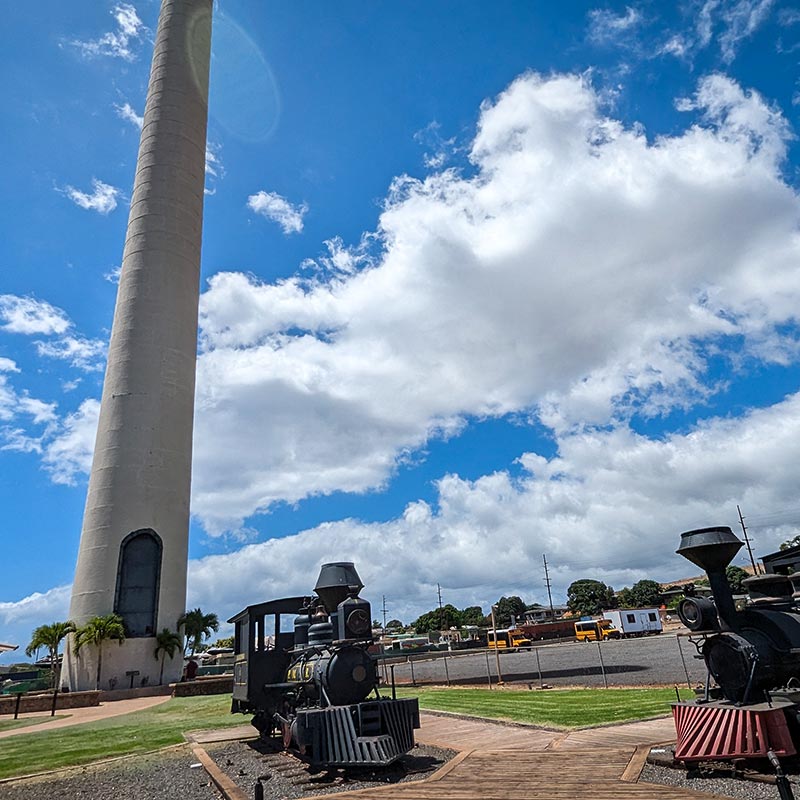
(262, 654)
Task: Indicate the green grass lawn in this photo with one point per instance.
(164, 724)
(8, 724)
(138, 732)
(552, 708)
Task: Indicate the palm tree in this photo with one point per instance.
(50, 636)
(167, 643)
(196, 627)
(95, 632)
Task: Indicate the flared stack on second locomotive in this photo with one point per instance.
(304, 670)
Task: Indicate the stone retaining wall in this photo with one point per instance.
(210, 685)
(127, 694)
(44, 701)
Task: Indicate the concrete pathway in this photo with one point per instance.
(77, 716)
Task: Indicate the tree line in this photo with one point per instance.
(585, 597)
(102, 629)
(588, 597)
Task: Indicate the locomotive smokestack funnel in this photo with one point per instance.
(337, 582)
(712, 549)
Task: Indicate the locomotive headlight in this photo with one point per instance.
(698, 614)
(358, 622)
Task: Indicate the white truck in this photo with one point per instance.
(635, 621)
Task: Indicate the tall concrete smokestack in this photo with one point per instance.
(134, 543)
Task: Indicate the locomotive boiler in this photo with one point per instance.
(303, 669)
(752, 653)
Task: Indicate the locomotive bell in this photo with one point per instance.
(336, 582)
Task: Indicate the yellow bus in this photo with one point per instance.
(592, 630)
(507, 639)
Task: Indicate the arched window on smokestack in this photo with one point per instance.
(138, 578)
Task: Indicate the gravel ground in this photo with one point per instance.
(716, 779)
(730, 787)
(158, 776)
(285, 777)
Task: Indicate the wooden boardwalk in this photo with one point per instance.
(543, 775)
(502, 762)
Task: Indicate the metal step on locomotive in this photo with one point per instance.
(312, 679)
(752, 654)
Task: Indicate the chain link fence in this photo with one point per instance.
(660, 660)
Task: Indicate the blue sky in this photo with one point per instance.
(480, 282)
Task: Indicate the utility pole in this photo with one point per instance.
(747, 541)
(441, 609)
(496, 649)
(383, 608)
(547, 584)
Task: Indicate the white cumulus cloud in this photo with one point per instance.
(68, 451)
(610, 505)
(102, 199)
(278, 209)
(740, 20)
(583, 273)
(28, 315)
(728, 23)
(128, 113)
(605, 26)
(119, 43)
(82, 353)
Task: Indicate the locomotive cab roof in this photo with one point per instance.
(286, 605)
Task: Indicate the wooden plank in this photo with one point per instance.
(229, 790)
(636, 764)
(449, 766)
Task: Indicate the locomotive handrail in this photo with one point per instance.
(282, 686)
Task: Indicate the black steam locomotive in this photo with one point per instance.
(752, 653)
(304, 670)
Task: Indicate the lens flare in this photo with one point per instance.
(244, 97)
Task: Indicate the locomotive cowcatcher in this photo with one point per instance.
(312, 679)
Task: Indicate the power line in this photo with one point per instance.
(781, 513)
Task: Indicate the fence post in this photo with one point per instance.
(53, 707)
(16, 705)
(602, 664)
(683, 661)
(446, 670)
(488, 671)
(539, 667)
